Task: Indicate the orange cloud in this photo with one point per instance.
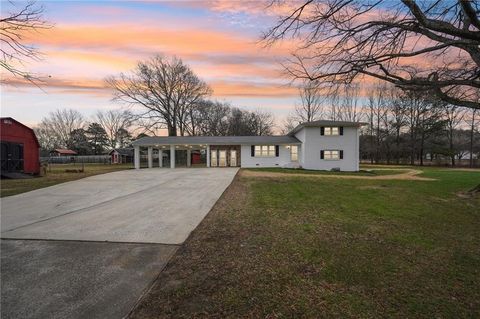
(99, 88)
(253, 90)
(138, 39)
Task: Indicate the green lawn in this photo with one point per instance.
(362, 172)
(55, 174)
(292, 247)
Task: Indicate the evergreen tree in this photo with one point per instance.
(78, 142)
(97, 138)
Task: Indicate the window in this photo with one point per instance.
(214, 158)
(331, 130)
(294, 153)
(331, 155)
(222, 158)
(264, 151)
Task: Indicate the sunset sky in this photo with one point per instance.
(93, 39)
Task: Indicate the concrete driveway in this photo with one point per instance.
(142, 206)
(90, 248)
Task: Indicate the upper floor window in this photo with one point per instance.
(331, 130)
(264, 151)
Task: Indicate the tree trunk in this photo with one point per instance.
(422, 143)
(472, 130)
(172, 131)
(452, 151)
(412, 149)
(397, 146)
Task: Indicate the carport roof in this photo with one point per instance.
(215, 140)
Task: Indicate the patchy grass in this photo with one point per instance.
(56, 174)
(363, 172)
(294, 247)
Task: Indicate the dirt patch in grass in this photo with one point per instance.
(410, 174)
(373, 187)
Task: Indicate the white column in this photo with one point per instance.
(160, 158)
(136, 157)
(208, 155)
(172, 156)
(150, 157)
(189, 157)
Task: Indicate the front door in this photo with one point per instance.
(222, 158)
(233, 158)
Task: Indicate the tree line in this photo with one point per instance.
(68, 128)
(106, 130)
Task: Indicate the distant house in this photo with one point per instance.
(62, 152)
(20, 148)
(121, 155)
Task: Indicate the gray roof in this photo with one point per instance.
(321, 123)
(215, 140)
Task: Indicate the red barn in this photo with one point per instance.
(20, 148)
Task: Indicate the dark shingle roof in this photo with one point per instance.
(320, 123)
(215, 140)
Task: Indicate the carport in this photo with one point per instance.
(171, 153)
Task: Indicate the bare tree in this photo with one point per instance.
(397, 121)
(261, 122)
(472, 121)
(376, 112)
(344, 40)
(45, 138)
(115, 123)
(311, 102)
(165, 87)
(57, 127)
(288, 124)
(14, 26)
(210, 119)
(349, 106)
(334, 99)
(453, 117)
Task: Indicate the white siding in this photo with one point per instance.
(248, 161)
(313, 143)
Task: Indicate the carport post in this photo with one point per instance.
(208, 155)
(189, 158)
(172, 156)
(150, 157)
(160, 158)
(136, 157)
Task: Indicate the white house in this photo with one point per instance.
(318, 145)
